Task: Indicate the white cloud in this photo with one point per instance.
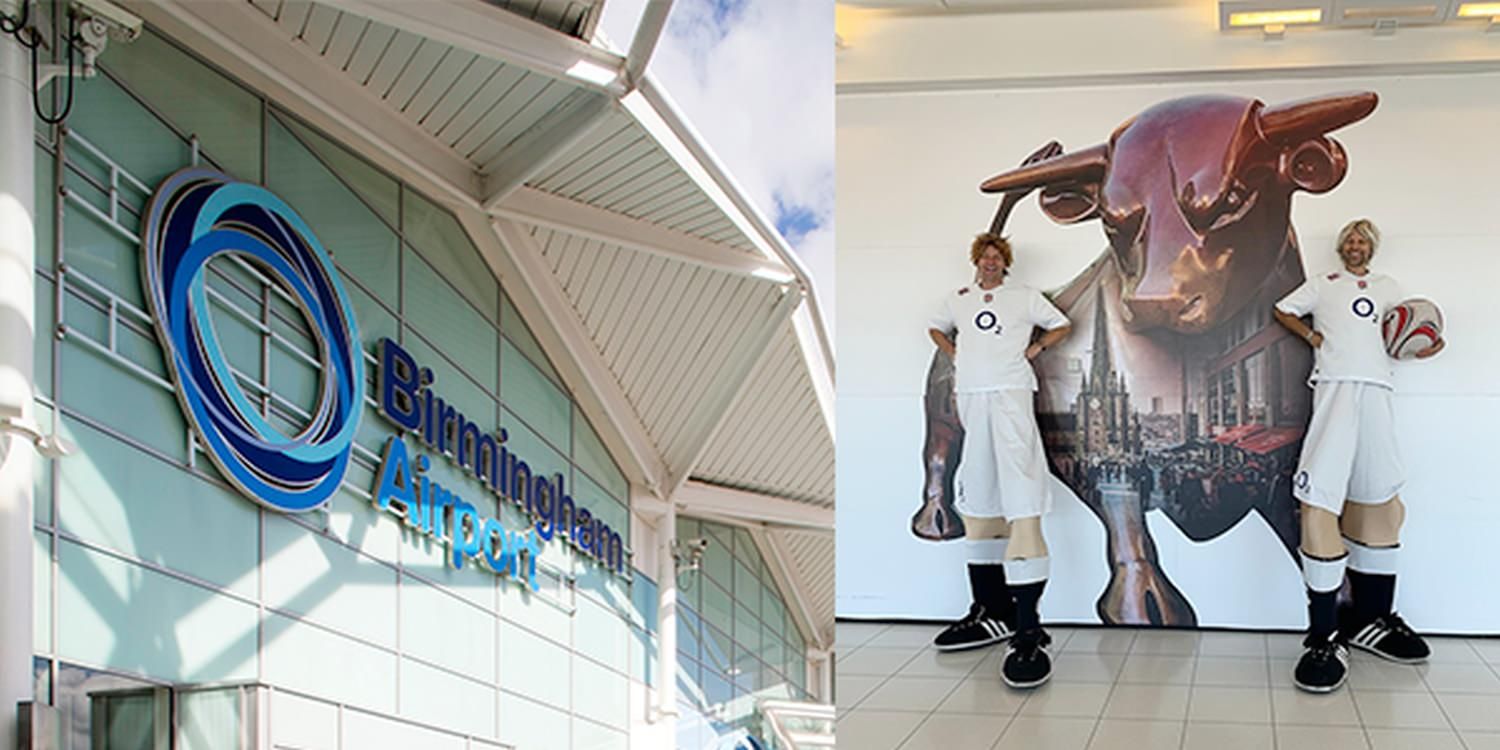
(755, 78)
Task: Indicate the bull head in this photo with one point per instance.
(1194, 192)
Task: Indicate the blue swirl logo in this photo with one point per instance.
(197, 215)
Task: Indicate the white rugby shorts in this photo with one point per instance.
(1003, 472)
(1350, 448)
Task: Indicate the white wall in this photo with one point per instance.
(1423, 166)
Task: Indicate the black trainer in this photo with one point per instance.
(978, 628)
(1027, 663)
(1388, 637)
(1324, 666)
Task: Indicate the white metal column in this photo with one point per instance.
(666, 621)
(17, 288)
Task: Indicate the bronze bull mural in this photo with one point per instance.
(1176, 391)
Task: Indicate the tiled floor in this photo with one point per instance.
(1147, 689)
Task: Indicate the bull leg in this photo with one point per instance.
(936, 519)
(1139, 592)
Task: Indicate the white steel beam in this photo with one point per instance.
(666, 620)
(513, 254)
(237, 37)
(533, 206)
(647, 34)
(494, 33)
(549, 138)
(772, 549)
(751, 508)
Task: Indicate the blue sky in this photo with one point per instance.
(755, 78)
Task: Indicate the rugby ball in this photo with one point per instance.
(1410, 327)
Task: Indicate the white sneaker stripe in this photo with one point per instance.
(1370, 635)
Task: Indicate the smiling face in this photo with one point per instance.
(1356, 252)
(991, 265)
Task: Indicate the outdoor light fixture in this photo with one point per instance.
(592, 72)
(1369, 14)
(1479, 10)
(1271, 18)
(1384, 17)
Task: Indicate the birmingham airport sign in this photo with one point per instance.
(197, 215)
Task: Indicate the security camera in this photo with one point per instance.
(104, 16)
(689, 553)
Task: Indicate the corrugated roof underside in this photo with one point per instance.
(472, 104)
(571, 17)
(666, 329)
(811, 555)
(620, 167)
(774, 441)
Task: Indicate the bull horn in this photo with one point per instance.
(1086, 165)
(1308, 118)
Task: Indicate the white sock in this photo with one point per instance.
(987, 551)
(1027, 570)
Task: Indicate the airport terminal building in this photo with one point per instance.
(378, 377)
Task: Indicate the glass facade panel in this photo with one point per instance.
(718, 607)
(45, 326)
(600, 694)
(41, 473)
(115, 496)
(449, 632)
(442, 241)
(516, 330)
(534, 398)
(435, 311)
(134, 138)
(537, 666)
(41, 592)
(382, 193)
(592, 457)
(527, 724)
(46, 202)
(209, 720)
(603, 506)
(105, 604)
(590, 736)
(318, 662)
(362, 246)
(602, 635)
(130, 405)
(748, 653)
(100, 252)
(442, 699)
(316, 577)
(225, 117)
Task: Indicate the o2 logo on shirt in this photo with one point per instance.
(1303, 480)
(987, 320)
(1364, 307)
